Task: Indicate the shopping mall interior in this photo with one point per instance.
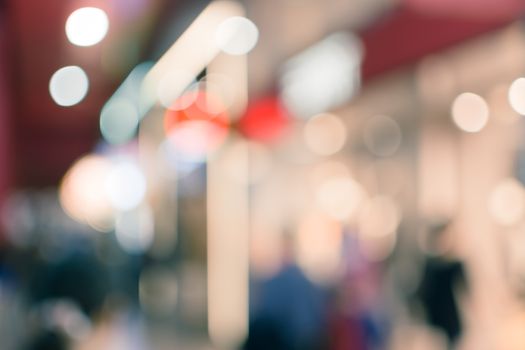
(262, 174)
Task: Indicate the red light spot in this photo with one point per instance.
(265, 120)
(197, 130)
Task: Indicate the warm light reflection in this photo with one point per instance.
(325, 134)
(379, 217)
(378, 248)
(236, 35)
(87, 26)
(82, 191)
(327, 170)
(382, 135)
(378, 222)
(470, 112)
(516, 95)
(266, 253)
(319, 247)
(194, 132)
(507, 202)
(68, 86)
(340, 198)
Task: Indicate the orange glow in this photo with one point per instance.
(318, 245)
(194, 131)
(507, 202)
(82, 192)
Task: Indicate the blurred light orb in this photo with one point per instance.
(340, 198)
(507, 202)
(326, 170)
(325, 134)
(119, 121)
(236, 35)
(382, 136)
(379, 217)
(68, 86)
(378, 248)
(125, 186)
(319, 247)
(516, 95)
(87, 26)
(324, 76)
(265, 120)
(173, 164)
(134, 229)
(470, 112)
(82, 194)
(194, 133)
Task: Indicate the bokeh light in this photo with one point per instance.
(470, 112)
(323, 76)
(119, 121)
(194, 132)
(517, 95)
(340, 198)
(87, 26)
(326, 170)
(319, 247)
(125, 185)
(134, 229)
(507, 202)
(382, 135)
(325, 134)
(236, 35)
(82, 192)
(378, 217)
(378, 248)
(265, 120)
(68, 86)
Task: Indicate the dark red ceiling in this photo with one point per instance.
(46, 138)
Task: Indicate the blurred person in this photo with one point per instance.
(443, 280)
(66, 297)
(346, 332)
(358, 317)
(48, 340)
(288, 311)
